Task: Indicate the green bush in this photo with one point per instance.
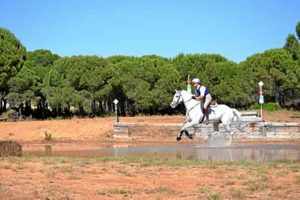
(271, 106)
(255, 106)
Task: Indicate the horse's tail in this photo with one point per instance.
(239, 118)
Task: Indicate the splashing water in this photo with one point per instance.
(218, 140)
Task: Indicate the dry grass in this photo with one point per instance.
(146, 178)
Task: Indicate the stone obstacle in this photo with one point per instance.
(10, 148)
(252, 127)
(281, 130)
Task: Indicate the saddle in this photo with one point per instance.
(212, 104)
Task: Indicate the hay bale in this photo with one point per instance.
(10, 148)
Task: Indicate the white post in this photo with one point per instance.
(261, 97)
(116, 109)
(261, 111)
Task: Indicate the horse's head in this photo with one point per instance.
(177, 99)
(181, 96)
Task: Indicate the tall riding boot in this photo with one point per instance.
(206, 116)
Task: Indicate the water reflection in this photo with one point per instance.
(249, 153)
(253, 152)
(235, 152)
(48, 150)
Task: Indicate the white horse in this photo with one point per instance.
(217, 114)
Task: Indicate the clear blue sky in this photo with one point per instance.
(235, 29)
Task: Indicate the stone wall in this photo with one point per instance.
(253, 127)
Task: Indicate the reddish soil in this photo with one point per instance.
(98, 129)
(72, 130)
(63, 178)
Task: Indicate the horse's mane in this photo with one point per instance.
(185, 91)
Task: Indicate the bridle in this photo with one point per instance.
(177, 102)
(180, 95)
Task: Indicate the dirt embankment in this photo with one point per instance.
(96, 129)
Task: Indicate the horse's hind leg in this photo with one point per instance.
(216, 130)
(216, 126)
(188, 135)
(183, 130)
(228, 129)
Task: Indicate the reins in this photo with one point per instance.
(187, 101)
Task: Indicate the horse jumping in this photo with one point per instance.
(218, 114)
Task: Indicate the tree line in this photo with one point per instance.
(43, 84)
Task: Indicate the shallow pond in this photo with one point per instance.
(234, 152)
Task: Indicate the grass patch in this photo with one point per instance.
(118, 191)
(255, 186)
(125, 173)
(100, 192)
(172, 162)
(209, 194)
(6, 166)
(203, 190)
(262, 173)
(236, 193)
(4, 188)
(161, 190)
(52, 192)
(214, 196)
(260, 167)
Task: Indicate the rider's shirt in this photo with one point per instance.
(201, 90)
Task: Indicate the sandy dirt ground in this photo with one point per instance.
(63, 178)
(72, 130)
(97, 129)
(87, 178)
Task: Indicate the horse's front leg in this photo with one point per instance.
(179, 135)
(183, 130)
(216, 131)
(229, 132)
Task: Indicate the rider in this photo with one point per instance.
(202, 93)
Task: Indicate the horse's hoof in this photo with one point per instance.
(178, 138)
(190, 136)
(229, 142)
(205, 138)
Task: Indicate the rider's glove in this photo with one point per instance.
(193, 97)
